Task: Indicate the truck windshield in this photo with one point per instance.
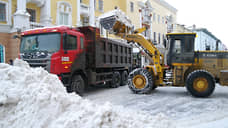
(49, 42)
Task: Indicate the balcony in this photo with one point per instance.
(84, 10)
(34, 25)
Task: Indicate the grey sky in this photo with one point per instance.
(210, 14)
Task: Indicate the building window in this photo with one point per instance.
(101, 5)
(64, 13)
(2, 54)
(163, 20)
(159, 38)
(154, 17)
(32, 13)
(80, 1)
(63, 18)
(132, 6)
(158, 18)
(2, 12)
(95, 7)
(154, 37)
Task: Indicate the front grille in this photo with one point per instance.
(37, 62)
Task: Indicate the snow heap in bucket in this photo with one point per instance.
(114, 20)
(33, 98)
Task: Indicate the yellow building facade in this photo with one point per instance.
(19, 15)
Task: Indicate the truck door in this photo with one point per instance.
(70, 50)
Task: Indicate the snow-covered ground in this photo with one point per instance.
(174, 102)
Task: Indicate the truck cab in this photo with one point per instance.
(54, 49)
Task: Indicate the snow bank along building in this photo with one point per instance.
(19, 15)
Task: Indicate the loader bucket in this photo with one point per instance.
(108, 22)
(116, 21)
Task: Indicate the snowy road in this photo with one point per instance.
(173, 102)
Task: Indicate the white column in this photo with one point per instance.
(21, 17)
(91, 13)
(140, 18)
(45, 16)
(78, 13)
(151, 30)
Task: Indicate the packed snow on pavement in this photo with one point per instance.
(31, 97)
(173, 102)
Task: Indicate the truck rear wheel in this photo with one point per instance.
(124, 76)
(78, 84)
(200, 83)
(140, 81)
(116, 80)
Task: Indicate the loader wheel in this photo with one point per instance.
(124, 76)
(78, 84)
(140, 81)
(116, 80)
(200, 83)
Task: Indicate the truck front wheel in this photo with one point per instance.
(78, 84)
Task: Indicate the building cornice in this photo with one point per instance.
(166, 5)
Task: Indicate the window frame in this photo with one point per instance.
(62, 11)
(7, 14)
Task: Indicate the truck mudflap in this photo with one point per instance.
(224, 77)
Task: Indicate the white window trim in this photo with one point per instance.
(7, 11)
(4, 54)
(59, 10)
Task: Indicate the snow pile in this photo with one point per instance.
(33, 98)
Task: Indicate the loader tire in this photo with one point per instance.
(124, 76)
(140, 81)
(200, 83)
(116, 80)
(78, 84)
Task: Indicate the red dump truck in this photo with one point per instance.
(79, 56)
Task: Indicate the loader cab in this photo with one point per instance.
(181, 48)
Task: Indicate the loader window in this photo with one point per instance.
(177, 47)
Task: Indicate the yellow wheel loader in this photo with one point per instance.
(198, 71)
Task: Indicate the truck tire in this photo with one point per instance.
(116, 80)
(200, 83)
(140, 81)
(78, 84)
(124, 76)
